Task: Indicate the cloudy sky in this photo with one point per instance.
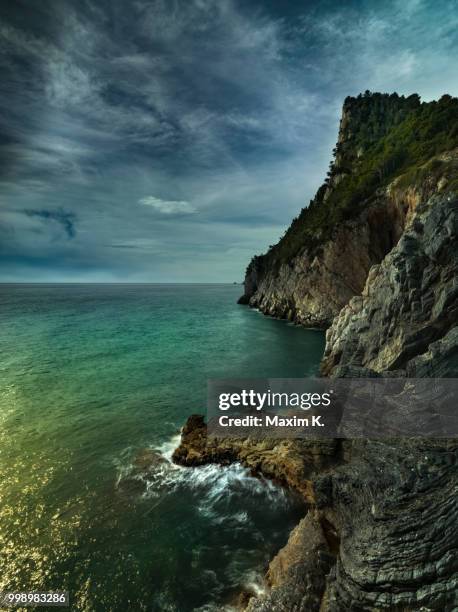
(170, 140)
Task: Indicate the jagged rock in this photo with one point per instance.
(439, 361)
(290, 462)
(399, 554)
(252, 276)
(410, 300)
(395, 507)
(297, 574)
(313, 287)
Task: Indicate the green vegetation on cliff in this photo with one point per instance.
(381, 137)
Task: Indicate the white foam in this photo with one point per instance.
(213, 481)
(216, 488)
(214, 484)
(167, 448)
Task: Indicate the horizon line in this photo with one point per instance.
(114, 283)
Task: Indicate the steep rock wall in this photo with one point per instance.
(409, 301)
(311, 286)
(392, 504)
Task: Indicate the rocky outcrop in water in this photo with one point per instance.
(289, 462)
(382, 527)
(298, 573)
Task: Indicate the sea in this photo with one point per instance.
(93, 378)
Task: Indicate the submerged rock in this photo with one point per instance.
(147, 466)
(148, 459)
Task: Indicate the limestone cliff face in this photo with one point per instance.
(410, 300)
(314, 286)
(323, 271)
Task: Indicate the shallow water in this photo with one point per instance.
(90, 376)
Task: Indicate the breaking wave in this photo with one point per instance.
(243, 517)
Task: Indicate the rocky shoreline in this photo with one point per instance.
(381, 531)
(382, 525)
(293, 463)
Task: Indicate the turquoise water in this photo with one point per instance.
(91, 375)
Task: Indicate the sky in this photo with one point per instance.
(171, 140)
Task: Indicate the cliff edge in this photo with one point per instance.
(391, 505)
(355, 219)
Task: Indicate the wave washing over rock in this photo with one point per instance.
(227, 501)
(382, 528)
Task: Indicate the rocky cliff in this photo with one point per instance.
(392, 505)
(409, 304)
(381, 532)
(313, 287)
(382, 527)
(355, 219)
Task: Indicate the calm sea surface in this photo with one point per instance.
(90, 376)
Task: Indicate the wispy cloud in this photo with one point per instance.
(168, 207)
(62, 217)
(231, 105)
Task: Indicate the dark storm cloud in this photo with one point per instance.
(184, 135)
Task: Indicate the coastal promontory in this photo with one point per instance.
(373, 258)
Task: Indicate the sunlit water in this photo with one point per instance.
(90, 376)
